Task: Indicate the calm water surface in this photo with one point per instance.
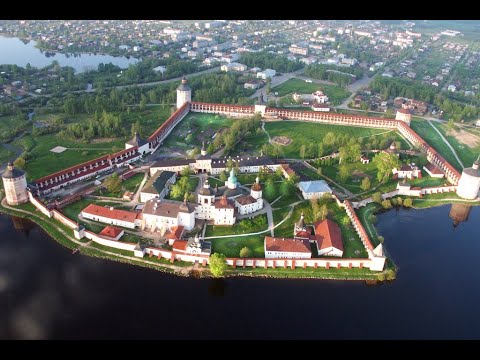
(45, 292)
(14, 51)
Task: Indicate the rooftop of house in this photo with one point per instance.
(314, 186)
(111, 232)
(328, 234)
(111, 213)
(287, 245)
(157, 182)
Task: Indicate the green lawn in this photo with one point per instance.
(41, 161)
(433, 139)
(428, 181)
(306, 133)
(132, 183)
(231, 247)
(190, 132)
(335, 93)
(466, 153)
(363, 214)
(6, 155)
(353, 247)
(353, 182)
(244, 226)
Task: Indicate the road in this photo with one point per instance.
(353, 88)
(153, 83)
(277, 80)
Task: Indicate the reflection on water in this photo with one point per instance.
(459, 213)
(48, 293)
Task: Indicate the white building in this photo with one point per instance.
(281, 248)
(407, 171)
(157, 186)
(328, 238)
(265, 74)
(234, 67)
(434, 171)
(184, 93)
(247, 204)
(142, 144)
(314, 189)
(109, 215)
(469, 183)
(15, 185)
(320, 97)
(162, 215)
(221, 211)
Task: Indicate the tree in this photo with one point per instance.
(385, 163)
(279, 172)
(20, 162)
(223, 176)
(113, 183)
(408, 202)
(323, 212)
(302, 151)
(315, 208)
(245, 252)
(286, 188)
(343, 173)
(346, 220)
(381, 239)
(377, 197)
(320, 149)
(399, 201)
(270, 191)
(186, 171)
(387, 204)
(218, 264)
(365, 185)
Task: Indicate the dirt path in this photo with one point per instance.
(448, 144)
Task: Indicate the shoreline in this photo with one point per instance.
(57, 234)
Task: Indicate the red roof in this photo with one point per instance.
(111, 232)
(287, 245)
(73, 168)
(180, 245)
(169, 121)
(175, 232)
(328, 234)
(433, 169)
(111, 213)
(403, 111)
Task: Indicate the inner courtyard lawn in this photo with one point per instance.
(306, 133)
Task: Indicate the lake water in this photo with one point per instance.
(47, 293)
(14, 51)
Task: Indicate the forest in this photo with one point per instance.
(265, 60)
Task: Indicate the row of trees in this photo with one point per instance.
(266, 60)
(337, 74)
(101, 125)
(231, 136)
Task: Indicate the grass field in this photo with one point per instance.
(231, 247)
(433, 139)
(305, 133)
(71, 211)
(335, 93)
(44, 162)
(195, 128)
(353, 247)
(467, 154)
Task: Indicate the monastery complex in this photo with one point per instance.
(223, 205)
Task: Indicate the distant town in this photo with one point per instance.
(257, 148)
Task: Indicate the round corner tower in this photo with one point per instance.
(469, 183)
(404, 115)
(184, 93)
(15, 185)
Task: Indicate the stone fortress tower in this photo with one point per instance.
(184, 93)
(15, 185)
(404, 115)
(469, 183)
